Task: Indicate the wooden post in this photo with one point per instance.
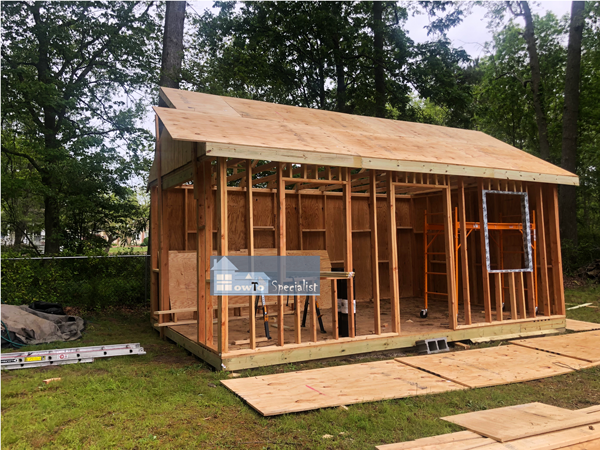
(450, 265)
(554, 237)
(498, 295)
(223, 244)
(163, 240)
(512, 295)
(250, 244)
(520, 288)
(281, 247)
(348, 264)
(185, 211)
(393, 253)
(200, 197)
(208, 244)
(541, 244)
(374, 250)
(485, 277)
(154, 295)
(463, 250)
(334, 310)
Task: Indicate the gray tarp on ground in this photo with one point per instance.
(35, 327)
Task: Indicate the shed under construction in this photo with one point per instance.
(448, 232)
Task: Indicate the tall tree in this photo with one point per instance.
(72, 80)
(568, 194)
(378, 28)
(172, 51)
(521, 9)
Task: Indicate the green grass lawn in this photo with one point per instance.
(169, 399)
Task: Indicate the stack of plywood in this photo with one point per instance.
(523, 427)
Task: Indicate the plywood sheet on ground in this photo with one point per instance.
(462, 440)
(551, 441)
(584, 346)
(334, 386)
(494, 365)
(578, 325)
(520, 421)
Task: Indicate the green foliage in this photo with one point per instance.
(322, 55)
(75, 79)
(92, 283)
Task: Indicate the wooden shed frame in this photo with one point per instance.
(218, 159)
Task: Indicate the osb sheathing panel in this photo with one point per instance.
(198, 117)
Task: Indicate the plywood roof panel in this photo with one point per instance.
(367, 141)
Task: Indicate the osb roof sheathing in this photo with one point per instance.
(240, 128)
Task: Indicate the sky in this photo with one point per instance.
(472, 33)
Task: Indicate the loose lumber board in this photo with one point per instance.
(584, 346)
(589, 445)
(552, 441)
(334, 386)
(182, 282)
(590, 409)
(521, 421)
(579, 325)
(494, 366)
(354, 140)
(461, 440)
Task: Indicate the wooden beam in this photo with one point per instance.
(462, 214)
(498, 295)
(512, 295)
(541, 245)
(178, 176)
(555, 250)
(374, 252)
(520, 291)
(485, 277)
(281, 248)
(250, 246)
(450, 263)
(163, 240)
(355, 161)
(348, 262)
(208, 245)
(154, 250)
(393, 254)
(200, 197)
(223, 244)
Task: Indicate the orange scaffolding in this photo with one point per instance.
(433, 230)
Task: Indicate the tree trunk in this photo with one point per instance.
(536, 83)
(51, 225)
(378, 53)
(172, 55)
(568, 194)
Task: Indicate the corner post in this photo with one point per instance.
(348, 264)
(450, 263)
(393, 257)
(223, 244)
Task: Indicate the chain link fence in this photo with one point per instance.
(89, 282)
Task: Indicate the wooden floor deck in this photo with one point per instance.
(413, 328)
